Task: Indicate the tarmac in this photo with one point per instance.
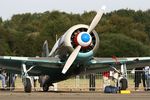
(68, 95)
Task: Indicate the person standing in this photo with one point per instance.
(10, 80)
(2, 77)
(35, 78)
(139, 75)
(147, 77)
(106, 79)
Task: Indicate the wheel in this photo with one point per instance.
(45, 87)
(123, 84)
(28, 86)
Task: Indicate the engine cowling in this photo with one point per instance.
(77, 35)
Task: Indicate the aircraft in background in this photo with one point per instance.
(72, 54)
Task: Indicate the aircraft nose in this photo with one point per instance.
(85, 37)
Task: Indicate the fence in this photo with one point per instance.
(81, 83)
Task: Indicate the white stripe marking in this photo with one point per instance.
(16, 58)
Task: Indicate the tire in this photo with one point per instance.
(28, 86)
(45, 87)
(123, 84)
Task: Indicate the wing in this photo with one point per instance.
(105, 64)
(41, 65)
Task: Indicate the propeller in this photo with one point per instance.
(71, 59)
(74, 54)
(96, 19)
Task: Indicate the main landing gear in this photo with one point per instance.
(122, 82)
(26, 79)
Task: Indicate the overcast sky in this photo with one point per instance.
(10, 7)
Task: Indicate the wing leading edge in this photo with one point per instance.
(105, 64)
(41, 64)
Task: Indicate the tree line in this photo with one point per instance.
(123, 32)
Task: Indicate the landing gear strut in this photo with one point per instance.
(122, 81)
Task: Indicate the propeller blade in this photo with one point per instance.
(96, 19)
(71, 59)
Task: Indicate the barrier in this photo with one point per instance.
(81, 83)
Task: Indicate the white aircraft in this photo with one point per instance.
(72, 54)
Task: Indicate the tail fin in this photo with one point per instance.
(45, 52)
